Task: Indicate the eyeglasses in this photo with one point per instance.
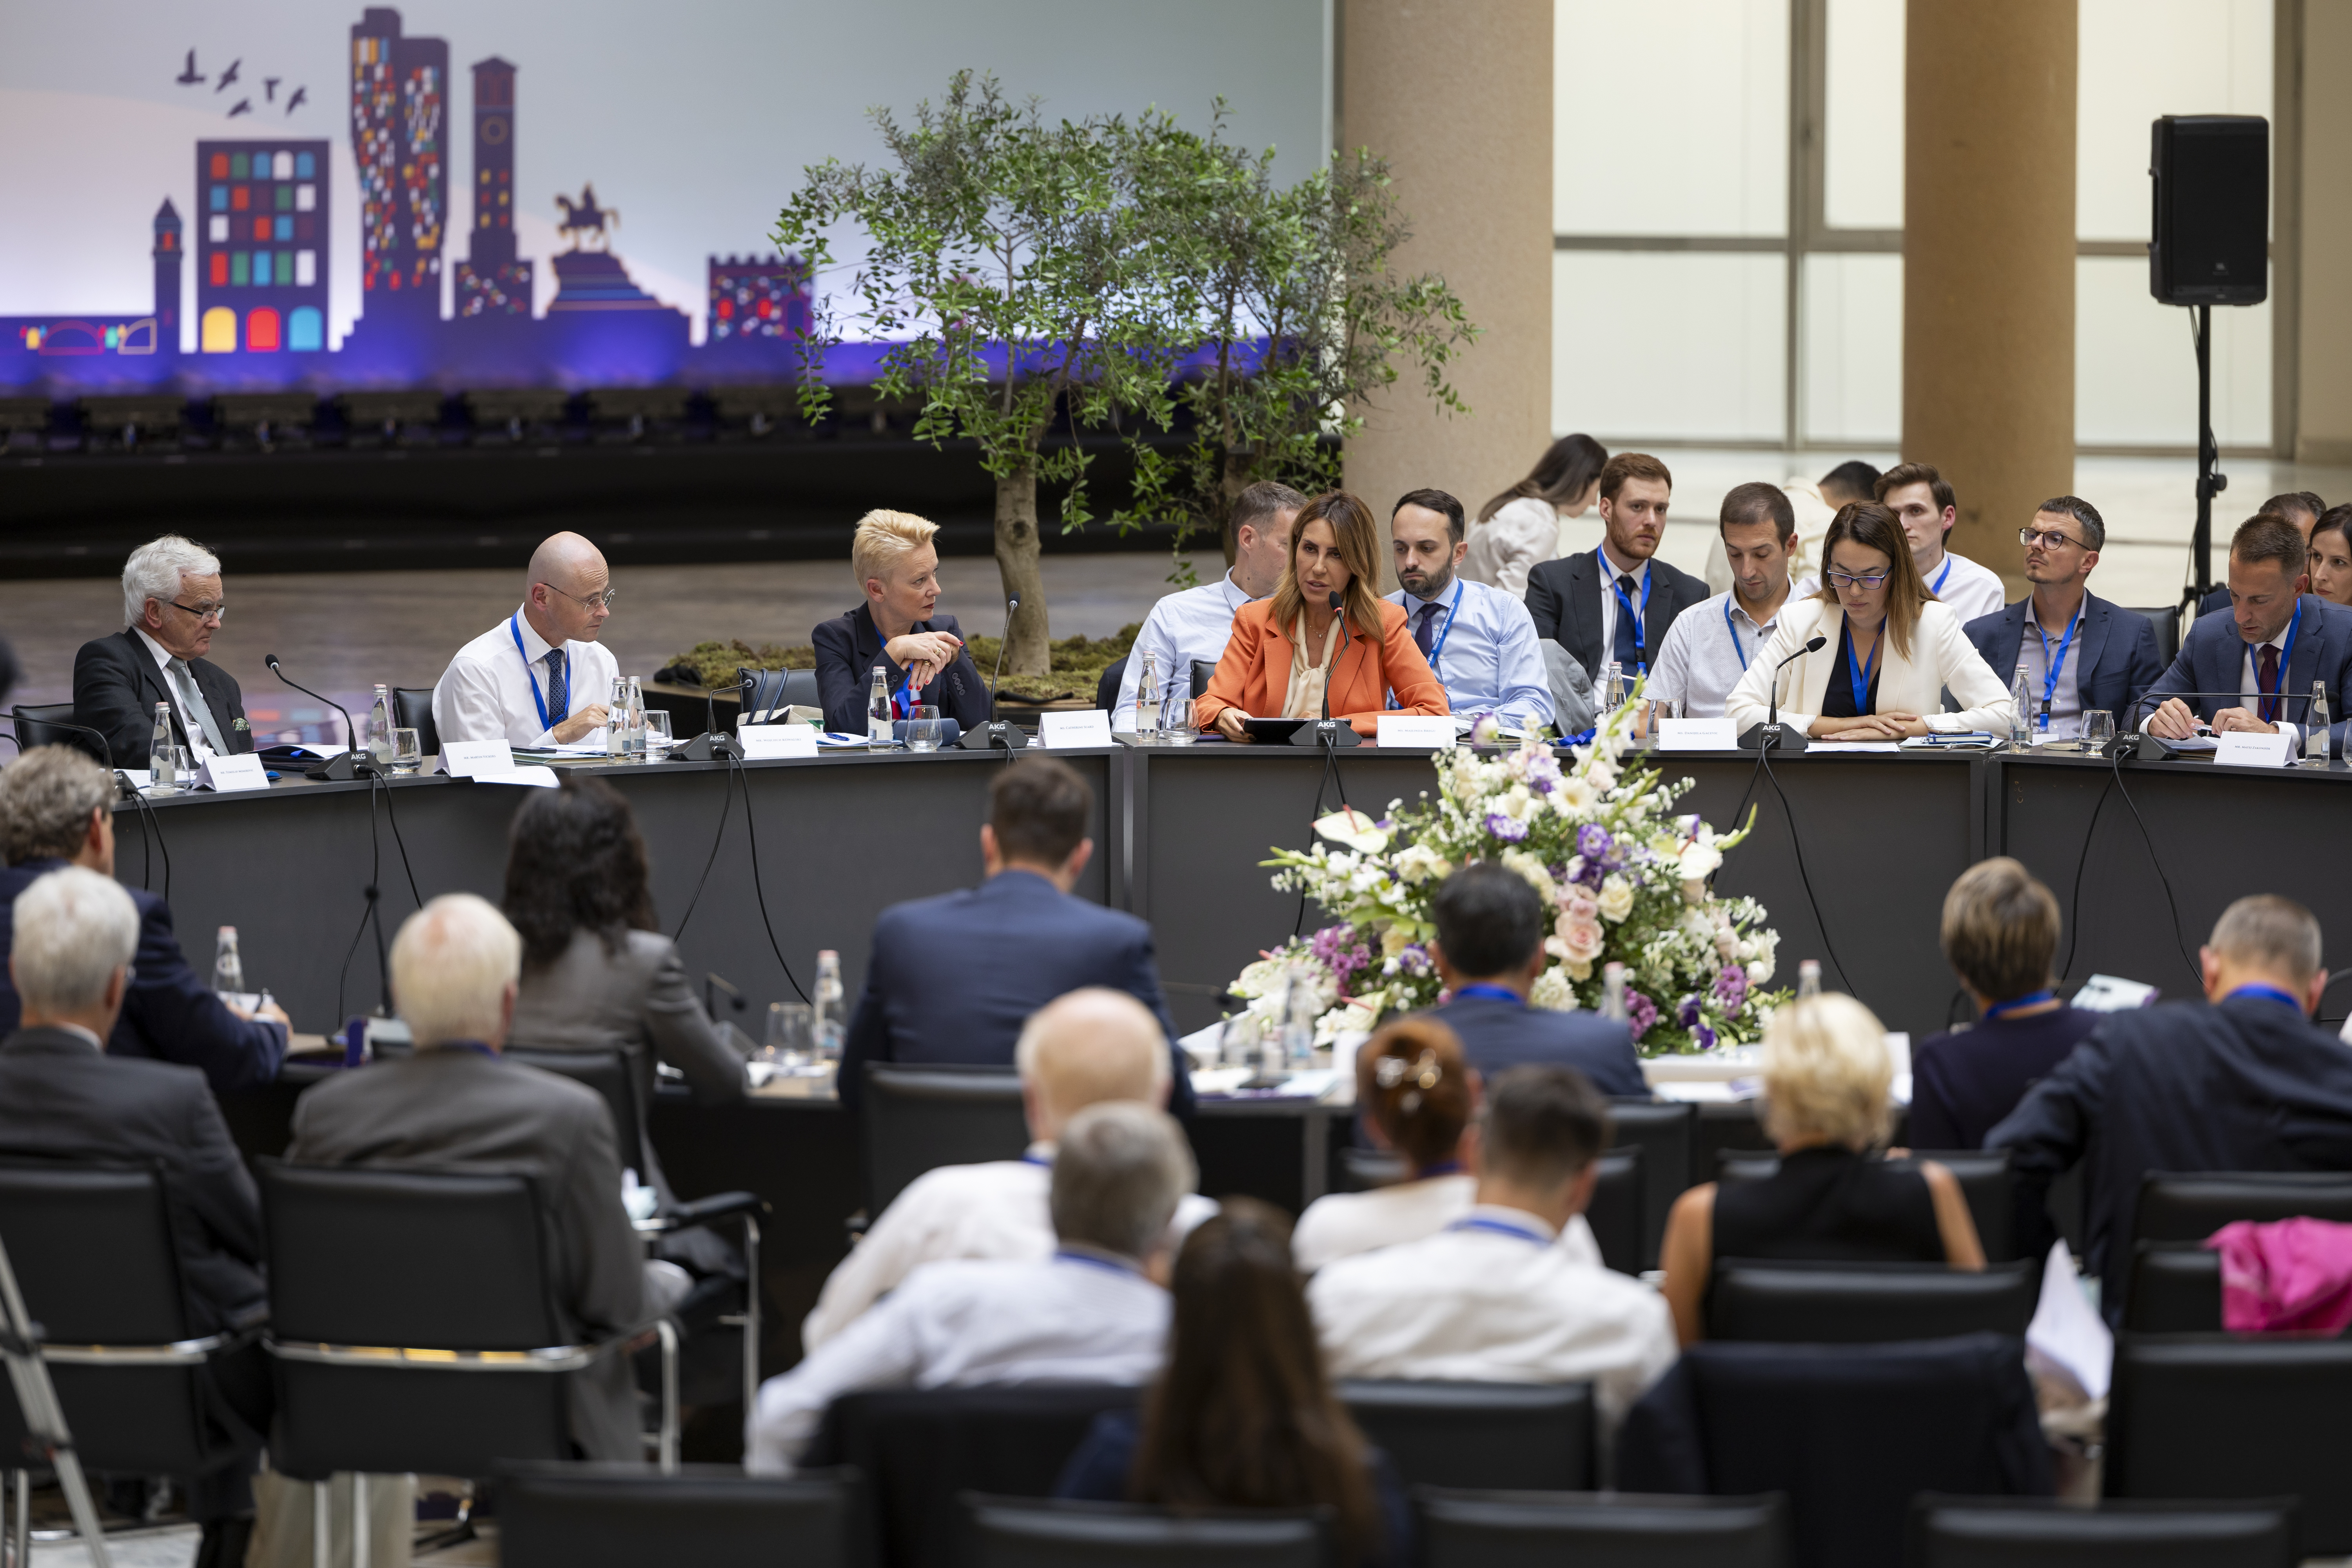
(593, 601)
(1863, 580)
(213, 612)
(2029, 537)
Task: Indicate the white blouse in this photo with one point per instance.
(1508, 545)
(1941, 660)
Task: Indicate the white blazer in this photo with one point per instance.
(1942, 659)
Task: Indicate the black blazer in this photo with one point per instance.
(1564, 597)
(116, 688)
(2114, 666)
(849, 646)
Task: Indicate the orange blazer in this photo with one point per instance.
(1255, 674)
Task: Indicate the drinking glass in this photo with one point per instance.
(923, 728)
(407, 751)
(792, 1035)
(1176, 722)
(1237, 1046)
(2099, 729)
(658, 736)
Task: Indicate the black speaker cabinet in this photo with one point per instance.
(2210, 241)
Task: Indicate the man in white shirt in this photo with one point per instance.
(539, 678)
(1708, 649)
(1196, 623)
(1480, 642)
(1080, 1050)
(1922, 502)
(1490, 1299)
(1815, 503)
(1095, 1312)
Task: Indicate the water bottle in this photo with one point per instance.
(1809, 978)
(1298, 1025)
(624, 723)
(1613, 687)
(159, 750)
(228, 969)
(2314, 732)
(877, 711)
(1612, 992)
(830, 1025)
(379, 730)
(1147, 699)
(2022, 718)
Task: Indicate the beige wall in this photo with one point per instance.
(1458, 97)
(2324, 335)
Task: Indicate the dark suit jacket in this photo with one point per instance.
(2213, 659)
(116, 688)
(2246, 1084)
(1497, 1035)
(849, 646)
(1564, 597)
(2219, 599)
(61, 1100)
(2115, 653)
(459, 1109)
(171, 1013)
(952, 979)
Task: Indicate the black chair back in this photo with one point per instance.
(1600, 1530)
(1009, 1533)
(1527, 1436)
(778, 689)
(2213, 1417)
(2190, 1206)
(1106, 689)
(1725, 1124)
(1788, 1302)
(1203, 672)
(920, 1118)
(412, 709)
(2166, 619)
(627, 1516)
(1615, 1212)
(1665, 1131)
(607, 1070)
(1982, 1174)
(44, 724)
(2025, 1532)
(2174, 1290)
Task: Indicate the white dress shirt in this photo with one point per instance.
(1181, 627)
(1485, 652)
(199, 744)
(1491, 1298)
(1342, 1225)
(1971, 590)
(1070, 1318)
(2249, 671)
(1522, 536)
(1708, 648)
(1610, 573)
(493, 691)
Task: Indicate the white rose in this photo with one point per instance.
(1551, 993)
(1616, 898)
(1419, 863)
(1759, 972)
(1578, 969)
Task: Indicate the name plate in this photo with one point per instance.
(1697, 735)
(243, 771)
(1064, 732)
(1436, 729)
(466, 759)
(2252, 749)
(764, 742)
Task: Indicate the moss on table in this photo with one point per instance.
(1079, 662)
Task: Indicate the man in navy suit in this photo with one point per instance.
(2301, 507)
(2113, 650)
(56, 809)
(1489, 949)
(952, 979)
(1619, 601)
(2269, 649)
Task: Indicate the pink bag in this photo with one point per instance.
(2288, 1276)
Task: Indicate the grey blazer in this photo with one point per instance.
(461, 1110)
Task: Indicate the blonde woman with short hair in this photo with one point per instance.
(1826, 1078)
(894, 557)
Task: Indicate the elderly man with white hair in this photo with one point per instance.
(172, 606)
(456, 1105)
(539, 678)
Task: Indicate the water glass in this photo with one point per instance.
(792, 1035)
(1176, 722)
(923, 728)
(1237, 1046)
(658, 736)
(407, 751)
(2099, 729)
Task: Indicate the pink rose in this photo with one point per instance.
(1582, 939)
(1581, 905)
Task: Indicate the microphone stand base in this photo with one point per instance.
(711, 746)
(1773, 737)
(996, 735)
(341, 770)
(1331, 733)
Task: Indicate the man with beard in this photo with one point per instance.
(1480, 642)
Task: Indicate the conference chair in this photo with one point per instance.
(2189, 1206)
(1615, 1213)
(1204, 670)
(1461, 1529)
(1523, 1436)
(767, 689)
(44, 724)
(920, 1117)
(2166, 619)
(627, 1516)
(1665, 1131)
(2018, 1532)
(1790, 1303)
(1106, 689)
(2175, 1290)
(412, 709)
(2213, 1415)
(1008, 1533)
(1982, 1174)
(1725, 1125)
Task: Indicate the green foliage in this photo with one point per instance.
(1077, 662)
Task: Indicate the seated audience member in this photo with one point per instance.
(1418, 1098)
(2115, 649)
(1244, 1416)
(1488, 950)
(1618, 602)
(1491, 1297)
(1889, 651)
(1093, 1312)
(63, 1100)
(2300, 508)
(454, 1106)
(2273, 645)
(1812, 505)
(920, 653)
(540, 678)
(1519, 530)
(1192, 627)
(1826, 1076)
(2001, 937)
(1923, 503)
(1080, 1050)
(2244, 1083)
(1479, 641)
(1708, 650)
(57, 809)
(1285, 659)
(172, 606)
(955, 978)
(2330, 563)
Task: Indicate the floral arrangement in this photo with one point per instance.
(1626, 878)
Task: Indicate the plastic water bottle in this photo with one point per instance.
(228, 969)
(2314, 732)
(1147, 699)
(830, 1025)
(877, 711)
(2022, 718)
(158, 749)
(624, 724)
(380, 729)
(1809, 978)
(1612, 992)
(1298, 1025)
(1613, 687)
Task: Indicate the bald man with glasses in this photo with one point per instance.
(2079, 651)
(539, 678)
(172, 604)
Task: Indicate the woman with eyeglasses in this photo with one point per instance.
(1888, 649)
(2331, 556)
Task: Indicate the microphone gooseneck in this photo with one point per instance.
(1339, 607)
(1011, 604)
(996, 732)
(350, 730)
(1815, 646)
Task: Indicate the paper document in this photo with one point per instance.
(1854, 746)
(2067, 1329)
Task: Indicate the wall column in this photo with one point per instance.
(2324, 330)
(1989, 261)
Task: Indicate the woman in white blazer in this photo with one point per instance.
(1889, 650)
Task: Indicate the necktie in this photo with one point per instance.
(2267, 679)
(1421, 638)
(197, 718)
(559, 690)
(1627, 648)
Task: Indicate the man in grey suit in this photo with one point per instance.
(456, 1106)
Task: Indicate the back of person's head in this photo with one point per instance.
(1242, 1414)
(1490, 921)
(1852, 480)
(1038, 808)
(1088, 1046)
(1632, 466)
(1826, 1073)
(1438, 502)
(74, 930)
(2000, 929)
(453, 964)
(2295, 505)
(2267, 536)
(1544, 1125)
(1570, 466)
(1902, 476)
(884, 539)
(1412, 1081)
(2094, 526)
(1259, 505)
(45, 801)
(575, 862)
(2270, 935)
(154, 570)
(1120, 1171)
(1755, 502)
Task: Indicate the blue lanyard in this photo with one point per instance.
(1641, 648)
(1091, 1261)
(1937, 586)
(2050, 675)
(1032, 1158)
(907, 696)
(2031, 999)
(2286, 658)
(532, 680)
(1734, 632)
(1442, 1168)
(1480, 1222)
(2268, 993)
(1450, 611)
(1860, 681)
(1493, 993)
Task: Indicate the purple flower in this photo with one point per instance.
(1687, 1013)
(1593, 841)
(1337, 949)
(1414, 960)
(1704, 1037)
(1588, 872)
(1731, 987)
(1640, 1013)
(1509, 829)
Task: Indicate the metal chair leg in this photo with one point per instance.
(360, 1533)
(37, 1402)
(750, 1315)
(322, 1519)
(669, 1399)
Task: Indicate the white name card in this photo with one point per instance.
(240, 772)
(764, 742)
(2252, 749)
(465, 759)
(1063, 732)
(1436, 729)
(1697, 735)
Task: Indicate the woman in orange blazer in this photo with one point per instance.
(1279, 660)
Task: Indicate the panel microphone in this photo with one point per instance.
(347, 765)
(1770, 735)
(1327, 732)
(714, 743)
(996, 733)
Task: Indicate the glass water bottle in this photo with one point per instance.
(2023, 719)
(379, 730)
(877, 711)
(1147, 699)
(158, 749)
(1809, 978)
(830, 1026)
(1612, 992)
(2314, 730)
(228, 969)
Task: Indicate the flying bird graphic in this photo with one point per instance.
(243, 106)
(189, 74)
(270, 88)
(229, 75)
(295, 102)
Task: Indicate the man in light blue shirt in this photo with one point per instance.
(1195, 624)
(1480, 642)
